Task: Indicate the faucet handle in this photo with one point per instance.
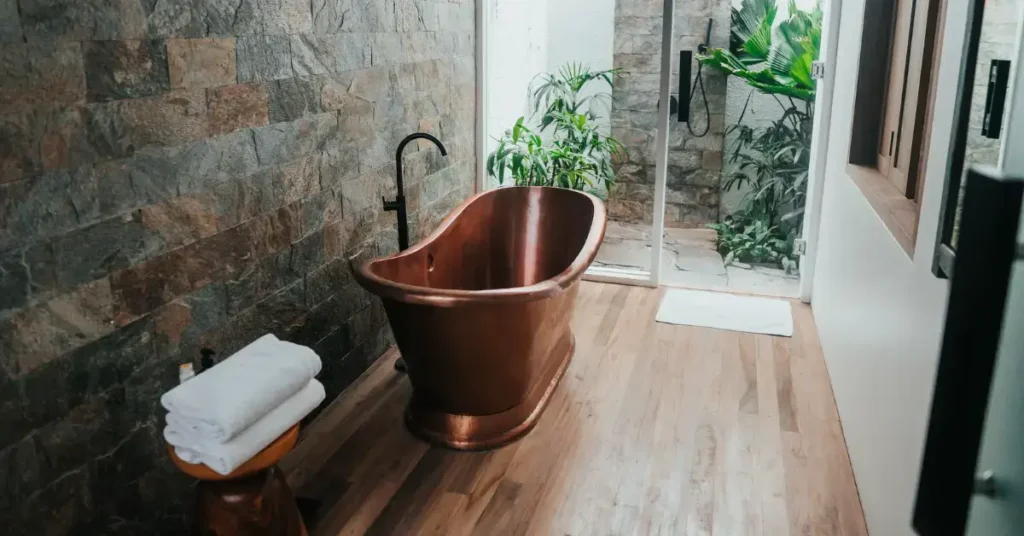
(389, 205)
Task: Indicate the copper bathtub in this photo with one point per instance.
(481, 310)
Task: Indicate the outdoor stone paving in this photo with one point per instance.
(690, 260)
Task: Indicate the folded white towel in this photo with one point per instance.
(221, 402)
(226, 457)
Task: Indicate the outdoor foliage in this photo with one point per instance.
(568, 150)
(743, 239)
(776, 62)
(770, 162)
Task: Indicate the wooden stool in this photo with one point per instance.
(254, 500)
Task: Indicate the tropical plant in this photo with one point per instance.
(776, 62)
(568, 149)
(743, 239)
(563, 92)
(770, 162)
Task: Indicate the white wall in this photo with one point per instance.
(517, 49)
(762, 110)
(583, 31)
(530, 37)
(879, 313)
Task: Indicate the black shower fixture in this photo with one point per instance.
(703, 47)
(685, 62)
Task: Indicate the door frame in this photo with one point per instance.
(832, 16)
(661, 141)
(483, 16)
(1011, 162)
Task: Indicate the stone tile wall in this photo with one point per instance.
(997, 42)
(187, 174)
(694, 163)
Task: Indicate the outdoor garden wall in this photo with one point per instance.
(694, 163)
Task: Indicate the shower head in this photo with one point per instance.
(703, 47)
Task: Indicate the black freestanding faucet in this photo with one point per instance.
(399, 203)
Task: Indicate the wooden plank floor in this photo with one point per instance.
(655, 429)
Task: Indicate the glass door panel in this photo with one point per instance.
(984, 111)
(642, 54)
(996, 49)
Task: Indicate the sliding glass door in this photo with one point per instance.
(642, 106)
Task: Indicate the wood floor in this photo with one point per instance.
(655, 429)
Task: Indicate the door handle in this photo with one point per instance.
(995, 98)
(685, 62)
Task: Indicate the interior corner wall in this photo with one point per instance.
(531, 37)
(582, 31)
(879, 312)
(517, 50)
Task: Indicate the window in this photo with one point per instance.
(898, 60)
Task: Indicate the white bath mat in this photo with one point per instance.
(726, 311)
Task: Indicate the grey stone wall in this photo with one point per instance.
(694, 163)
(187, 174)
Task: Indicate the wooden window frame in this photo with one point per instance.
(893, 109)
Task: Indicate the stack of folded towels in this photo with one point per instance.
(226, 415)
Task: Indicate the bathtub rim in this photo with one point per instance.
(416, 294)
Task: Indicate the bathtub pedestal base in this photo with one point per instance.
(482, 432)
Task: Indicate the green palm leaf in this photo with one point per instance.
(575, 154)
(774, 62)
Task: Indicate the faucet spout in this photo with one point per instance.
(398, 204)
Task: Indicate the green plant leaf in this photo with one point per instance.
(759, 44)
(776, 64)
(576, 154)
(517, 130)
